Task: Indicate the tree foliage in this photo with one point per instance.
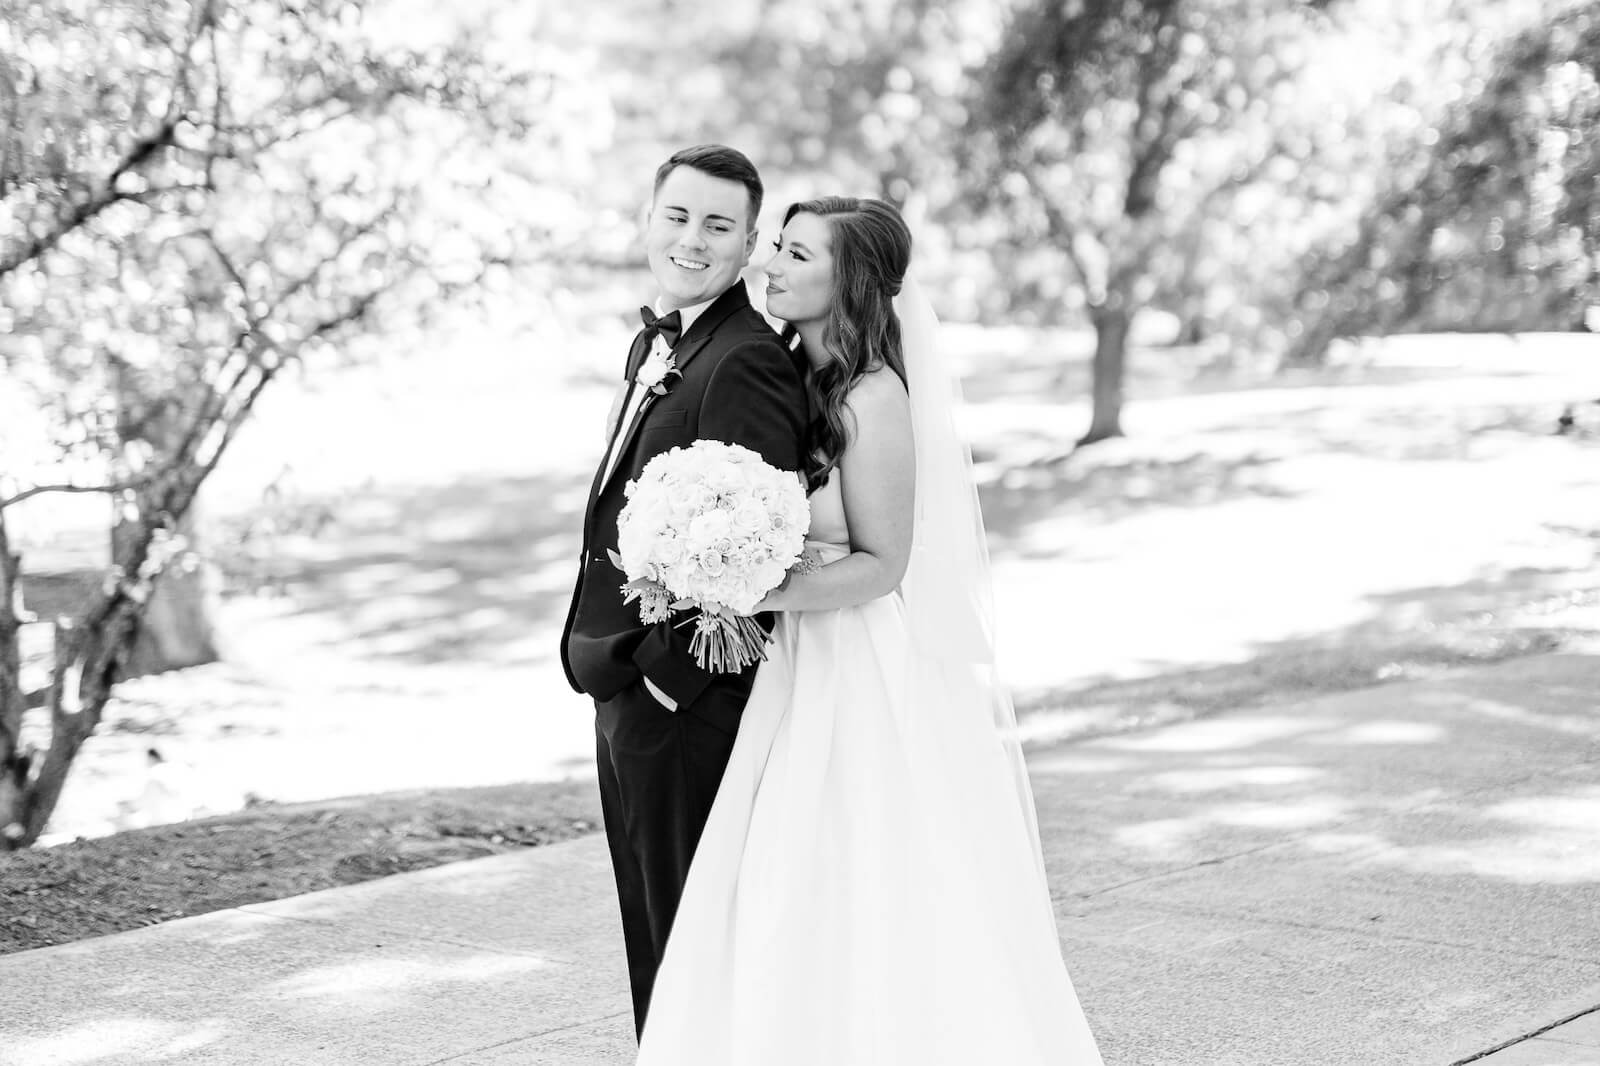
(196, 195)
(1497, 224)
(864, 96)
(1120, 130)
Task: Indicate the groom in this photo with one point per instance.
(664, 726)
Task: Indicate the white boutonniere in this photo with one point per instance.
(657, 371)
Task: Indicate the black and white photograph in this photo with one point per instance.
(800, 533)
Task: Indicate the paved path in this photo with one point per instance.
(1408, 876)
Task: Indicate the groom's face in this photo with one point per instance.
(700, 236)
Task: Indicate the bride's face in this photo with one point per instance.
(800, 273)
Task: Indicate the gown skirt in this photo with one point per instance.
(868, 890)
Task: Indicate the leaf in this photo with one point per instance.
(616, 560)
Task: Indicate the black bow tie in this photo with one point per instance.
(669, 325)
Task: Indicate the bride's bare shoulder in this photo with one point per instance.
(878, 403)
(875, 390)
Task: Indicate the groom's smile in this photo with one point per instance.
(700, 236)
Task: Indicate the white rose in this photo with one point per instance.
(653, 371)
(710, 526)
(725, 478)
(666, 551)
(702, 498)
(750, 517)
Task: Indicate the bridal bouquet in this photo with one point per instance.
(711, 526)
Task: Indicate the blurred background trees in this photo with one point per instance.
(1118, 131)
(1489, 218)
(196, 197)
(199, 198)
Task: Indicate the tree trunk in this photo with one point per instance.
(87, 660)
(68, 731)
(13, 763)
(1310, 348)
(176, 629)
(1111, 322)
(85, 663)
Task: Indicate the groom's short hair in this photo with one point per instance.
(719, 161)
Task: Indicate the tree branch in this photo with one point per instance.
(141, 152)
(217, 412)
(40, 490)
(150, 195)
(1152, 124)
(1063, 227)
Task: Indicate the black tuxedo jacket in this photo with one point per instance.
(739, 385)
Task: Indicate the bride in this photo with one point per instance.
(869, 889)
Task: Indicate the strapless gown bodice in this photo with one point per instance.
(829, 532)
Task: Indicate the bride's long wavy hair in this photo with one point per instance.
(871, 252)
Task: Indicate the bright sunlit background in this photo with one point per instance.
(1274, 319)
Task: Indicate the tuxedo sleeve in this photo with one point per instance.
(756, 399)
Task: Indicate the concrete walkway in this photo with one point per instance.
(1408, 876)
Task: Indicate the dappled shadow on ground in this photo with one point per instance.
(1275, 442)
(1408, 634)
(428, 967)
(1496, 776)
(1015, 496)
(1418, 434)
(469, 571)
(464, 572)
(1370, 851)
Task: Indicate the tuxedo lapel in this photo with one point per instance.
(689, 346)
(681, 356)
(703, 327)
(600, 476)
(636, 355)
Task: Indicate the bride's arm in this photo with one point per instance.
(878, 477)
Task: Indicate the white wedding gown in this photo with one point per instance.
(868, 890)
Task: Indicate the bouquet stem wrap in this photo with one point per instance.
(727, 643)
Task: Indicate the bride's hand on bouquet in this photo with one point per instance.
(810, 562)
(773, 601)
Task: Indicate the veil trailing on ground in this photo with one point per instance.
(947, 586)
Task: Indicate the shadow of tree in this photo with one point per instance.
(472, 570)
(1416, 433)
(467, 571)
(1463, 813)
(1410, 634)
(1015, 496)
